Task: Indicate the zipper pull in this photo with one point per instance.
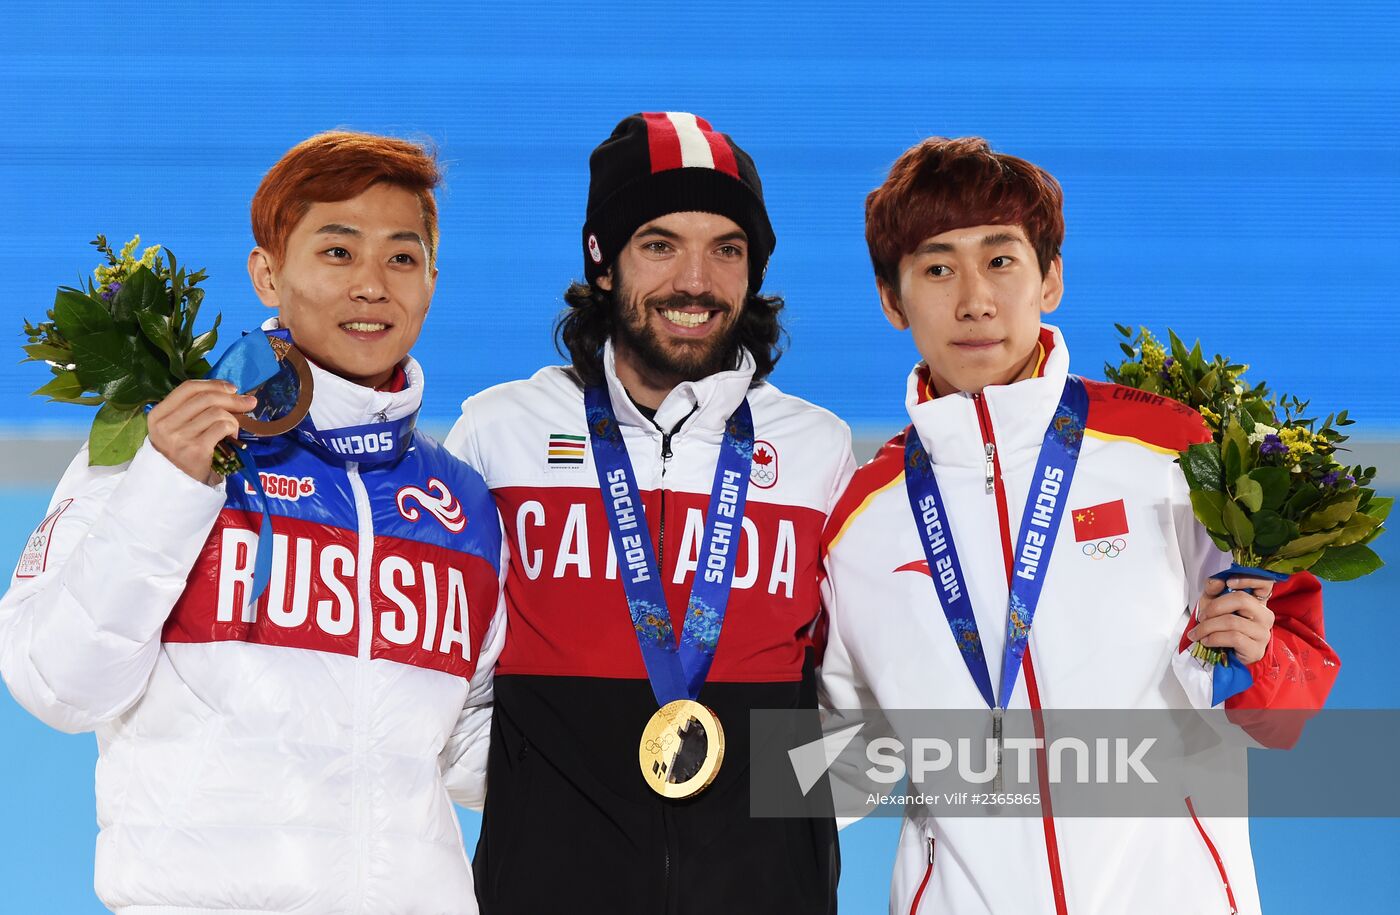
(665, 449)
(930, 851)
(991, 466)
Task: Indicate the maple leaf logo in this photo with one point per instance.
(762, 457)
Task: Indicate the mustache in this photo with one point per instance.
(686, 300)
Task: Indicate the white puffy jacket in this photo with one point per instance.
(294, 755)
(1108, 635)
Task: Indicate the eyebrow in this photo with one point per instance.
(988, 241)
(736, 235)
(335, 228)
(407, 235)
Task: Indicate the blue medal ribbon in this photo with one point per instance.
(371, 443)
(1233, 677)
(675, 671)
(1040, 525)
(248, 363)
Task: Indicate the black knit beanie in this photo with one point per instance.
(670, 162)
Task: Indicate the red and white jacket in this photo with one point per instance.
(571, 689)
(1107, 635)
(290, 755)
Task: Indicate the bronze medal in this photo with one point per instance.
(284, 399)
(681, 749)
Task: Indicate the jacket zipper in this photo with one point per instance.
(923, 884)
(666, 455)
(661, 524)
(995, 485)
(1215, 854)
(364, 630)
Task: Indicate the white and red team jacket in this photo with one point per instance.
(571, 689)
(1107, 635)
(293, 755)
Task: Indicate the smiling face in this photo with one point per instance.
(973, 298)
(680, 285)
(354, 283)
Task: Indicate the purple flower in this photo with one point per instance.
(1273, 445)
(111, 291)
(1170, 361)
(1332, 479)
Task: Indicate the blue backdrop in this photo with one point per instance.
(1231, 170)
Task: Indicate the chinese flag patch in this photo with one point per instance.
(1099, 522)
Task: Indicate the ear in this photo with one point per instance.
(605, 281)
(1052, 287)
(432, 286)
(890, 304)
(261, 268)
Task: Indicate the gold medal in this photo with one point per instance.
(681, 749)
(283, 400)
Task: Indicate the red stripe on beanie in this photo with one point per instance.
(664, 145)
(720, 149)
(724, 155)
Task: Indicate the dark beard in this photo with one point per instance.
(685, 360)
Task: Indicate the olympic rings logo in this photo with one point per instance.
(1105, 549)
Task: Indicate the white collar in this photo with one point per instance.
(712, 399)
(1019, 412)
(338, 402)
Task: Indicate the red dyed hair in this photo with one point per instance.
(942, 184)
(338, 165)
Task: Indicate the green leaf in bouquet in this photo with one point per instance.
(1209, 508)
(1289, 565)
(1343, 563)
(201, 346)
(1125, 331)
(104, 358)
(1234, 461)
(148, 381)
(1304, 497)
(1379, 507)
(142, 291)
(116, 434)
(1308, 543)
(65, 387)
(1203, 467)
(77, 314)
(44, 352)
(1358, 527)
(1220, 542)
(157, 329)
(1274, 483)
(1210, 382)
(1249, 493)
(1238, 524)
(1271, 531)
(1178, 349)
(1332, 512)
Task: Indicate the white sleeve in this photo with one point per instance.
(463, 760)
(80, 624)
(461, 440)
(845, 700)
(1200, 559)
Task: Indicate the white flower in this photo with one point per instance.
(1260, 430)
(1239, 389)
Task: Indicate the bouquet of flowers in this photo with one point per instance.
(122, 342)
(1269, 487)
